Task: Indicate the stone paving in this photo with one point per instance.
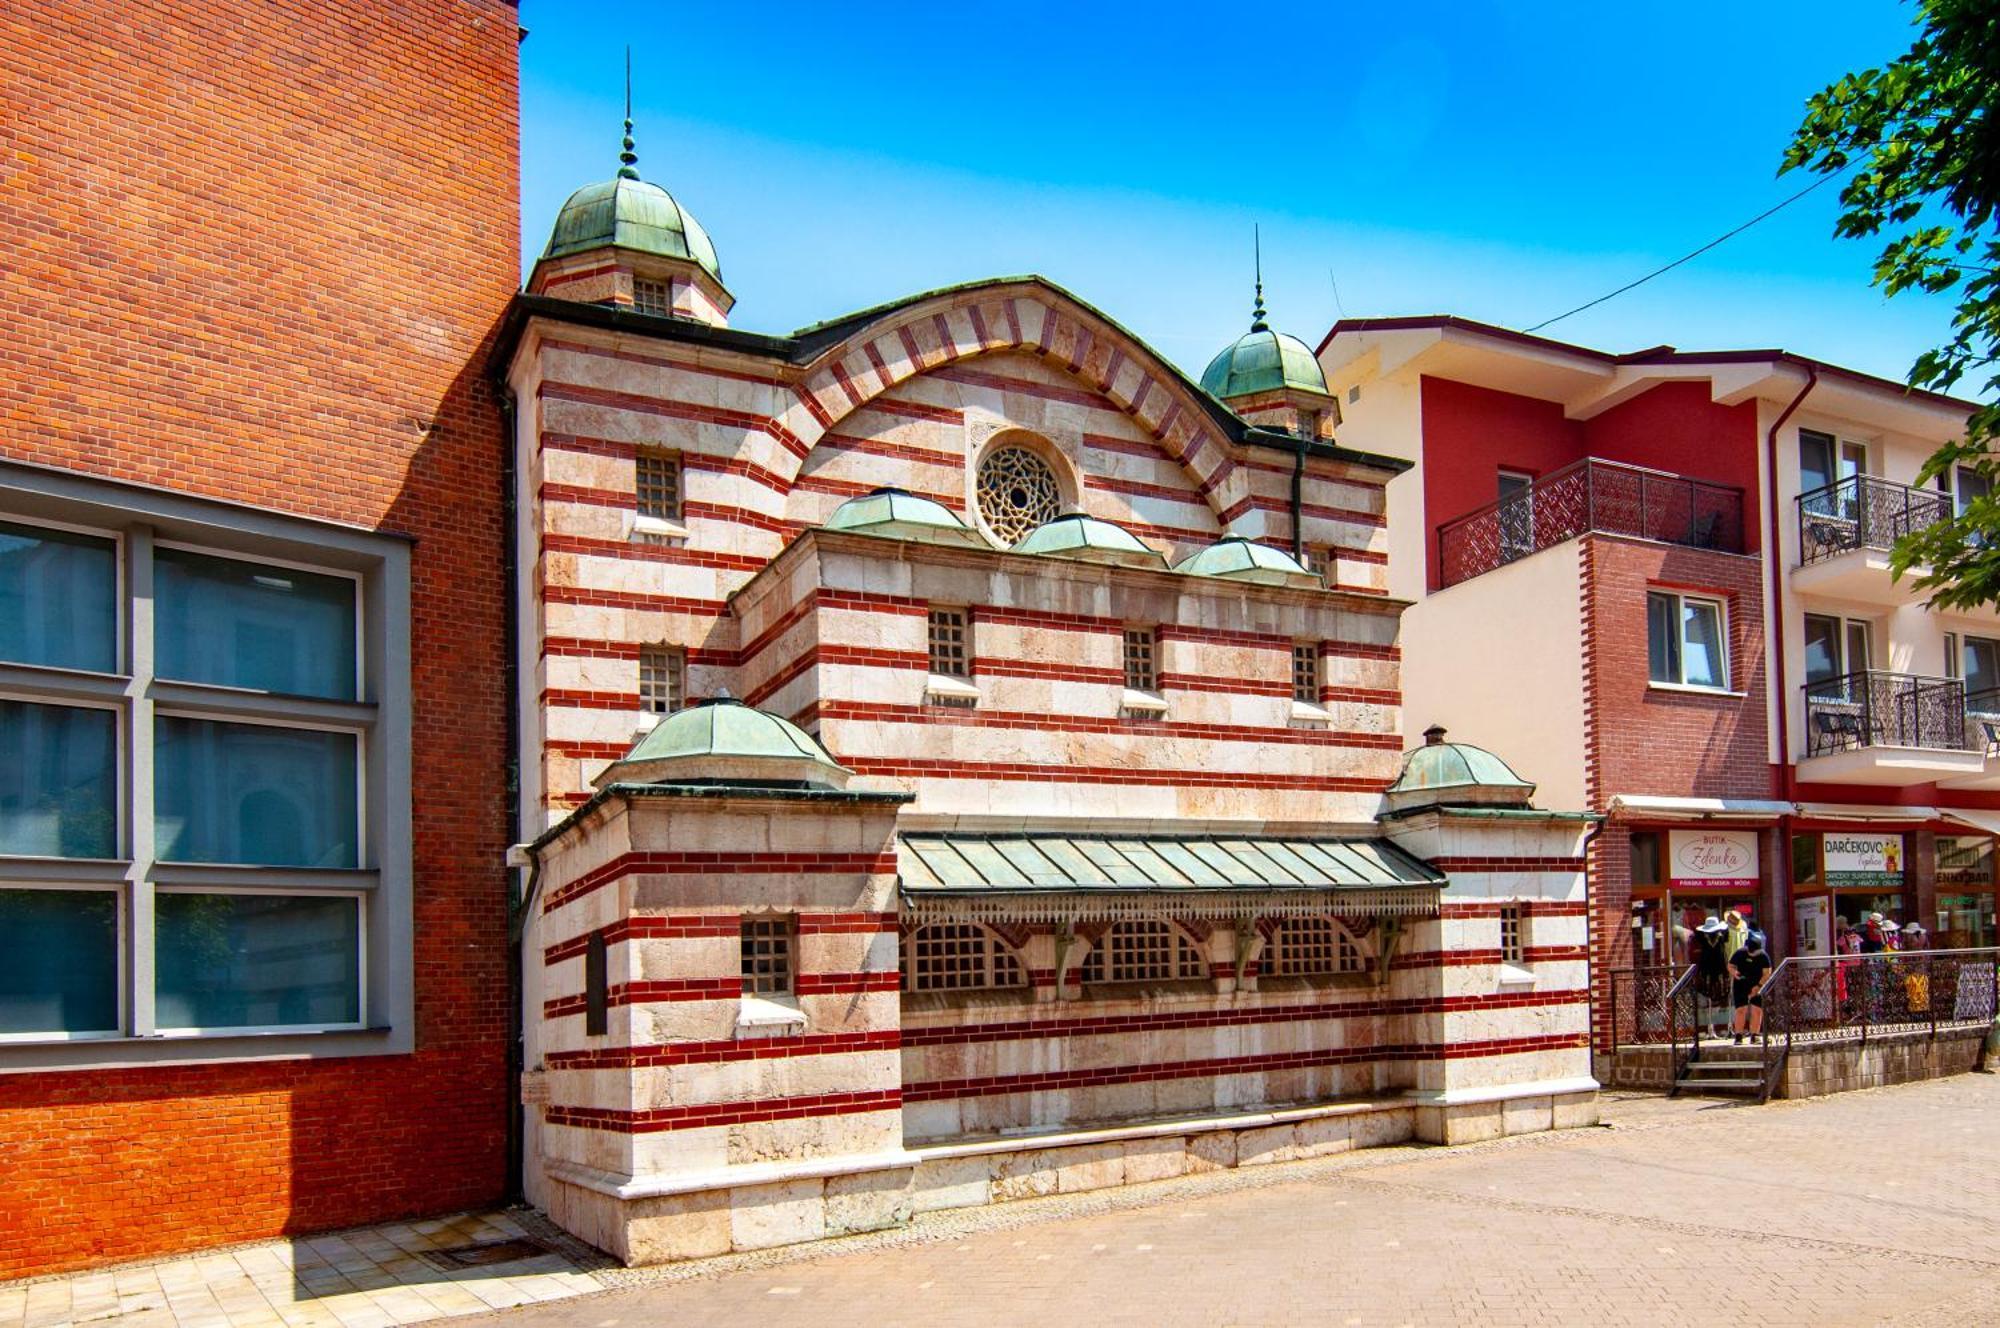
(369, 1278)
(1873, 1207)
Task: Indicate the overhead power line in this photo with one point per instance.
(1631, 285)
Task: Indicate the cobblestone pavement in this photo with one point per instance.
(1875, 1207)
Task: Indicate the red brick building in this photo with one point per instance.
(253, 257)
(1659, 582)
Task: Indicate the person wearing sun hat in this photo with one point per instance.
(1711, 966)
(1749, 970)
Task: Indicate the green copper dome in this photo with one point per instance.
(899, 514)
(632, 214)
(724, 741)
(1238, 559)
(1076, 535)
(1449, 774)
(1262, 360)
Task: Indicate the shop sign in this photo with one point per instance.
(1853, 859)
(1713, 859)
(1964, 860)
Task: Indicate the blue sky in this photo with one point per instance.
(1501, 161)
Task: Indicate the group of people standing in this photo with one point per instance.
(1732, 965)
(1878, 934)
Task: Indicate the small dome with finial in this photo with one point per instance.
(1262, 360)
(1455, 774)
(629, 213)
(723, 741)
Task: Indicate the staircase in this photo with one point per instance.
(1723, 1069)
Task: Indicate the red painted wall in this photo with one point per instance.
(1472, 433)
(255, 249)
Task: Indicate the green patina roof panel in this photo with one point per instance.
(1442, 765)
(1077, 532)
(1238, 558)
(728, 728)
(1262, 360)
(955, 863)
(631, 214)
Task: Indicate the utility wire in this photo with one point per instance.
(1768, 212)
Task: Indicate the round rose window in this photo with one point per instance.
(1017, 492)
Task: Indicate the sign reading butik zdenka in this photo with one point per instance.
(1713, 859)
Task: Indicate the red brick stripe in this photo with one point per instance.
(886, 712)
(725, 1051)
(665, 863)
(891, 767)
(658, 1119)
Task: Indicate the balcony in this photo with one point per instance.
(1982, 734)
(1591, 495)
(1846, 531)
(1875, 727)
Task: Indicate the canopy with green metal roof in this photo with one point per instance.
(1057, 875)
(1455, 774)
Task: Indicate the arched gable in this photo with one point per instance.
(867, 361)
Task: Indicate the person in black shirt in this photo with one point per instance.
(1750, 969)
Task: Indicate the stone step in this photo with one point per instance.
(1721, 1083)
(1703, 1067)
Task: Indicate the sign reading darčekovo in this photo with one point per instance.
(1857, 859)
(1713, 859)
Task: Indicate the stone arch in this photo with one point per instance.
(1028, 315)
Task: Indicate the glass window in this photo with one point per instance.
(1685, 642)
(1646, 859)
(1823, 648)
(1964, 922)
(1982, 664)
(1858, 654)
(254, 793)
(951, 649)
(1141, 650)
(662, 673)
(239, 624)
(767, 956)
(652, 297)
(256, 961)
(58, 781)
(659, 484)
(58, 962)
(1964, 860)
(58, 599)
(1815, 460)
(1970, 488)
(1805, 859)
(1305, 673)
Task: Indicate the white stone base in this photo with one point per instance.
(756, 1207)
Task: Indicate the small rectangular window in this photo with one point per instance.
(1141, 650)
(1305, 673)
(1686, 641)
(1513, 950)
(58, 781)
(652, 297)
(1309, 424)
(261, 795)
(767, 956)
(951, 643)
(662, 679)
(59, 962)
(659, 484)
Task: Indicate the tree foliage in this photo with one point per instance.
(1922, 139)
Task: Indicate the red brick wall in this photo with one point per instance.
(255, 249)
(1638, 740)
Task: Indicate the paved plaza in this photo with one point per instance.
(1875, 1207)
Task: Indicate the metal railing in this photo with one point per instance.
(1863, 512)
(1874, 708)
(1638, 1005)
(1606, 496)
(1823, 997)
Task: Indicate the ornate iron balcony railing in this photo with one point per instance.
(1605, 496)
(1874, 708)
(1863, 512)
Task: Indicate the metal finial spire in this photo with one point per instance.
(628, 160)
(1257, 323)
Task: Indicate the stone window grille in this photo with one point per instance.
(958, 957)
(659, 484)
(1306, 946)
(662, 679)
(1141, 659)
(1305, 673)
(1513, 949)
(951, 643)
(1017, 492)
(767, 956)
(652, 297)
(1143, 950)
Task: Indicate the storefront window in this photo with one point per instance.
(1964, 860)
(1646, 859)
(1805, 859)
(1964, 922)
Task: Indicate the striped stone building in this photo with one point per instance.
(955, 749)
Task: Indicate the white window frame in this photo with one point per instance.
(138, 521)
(1680, 601)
